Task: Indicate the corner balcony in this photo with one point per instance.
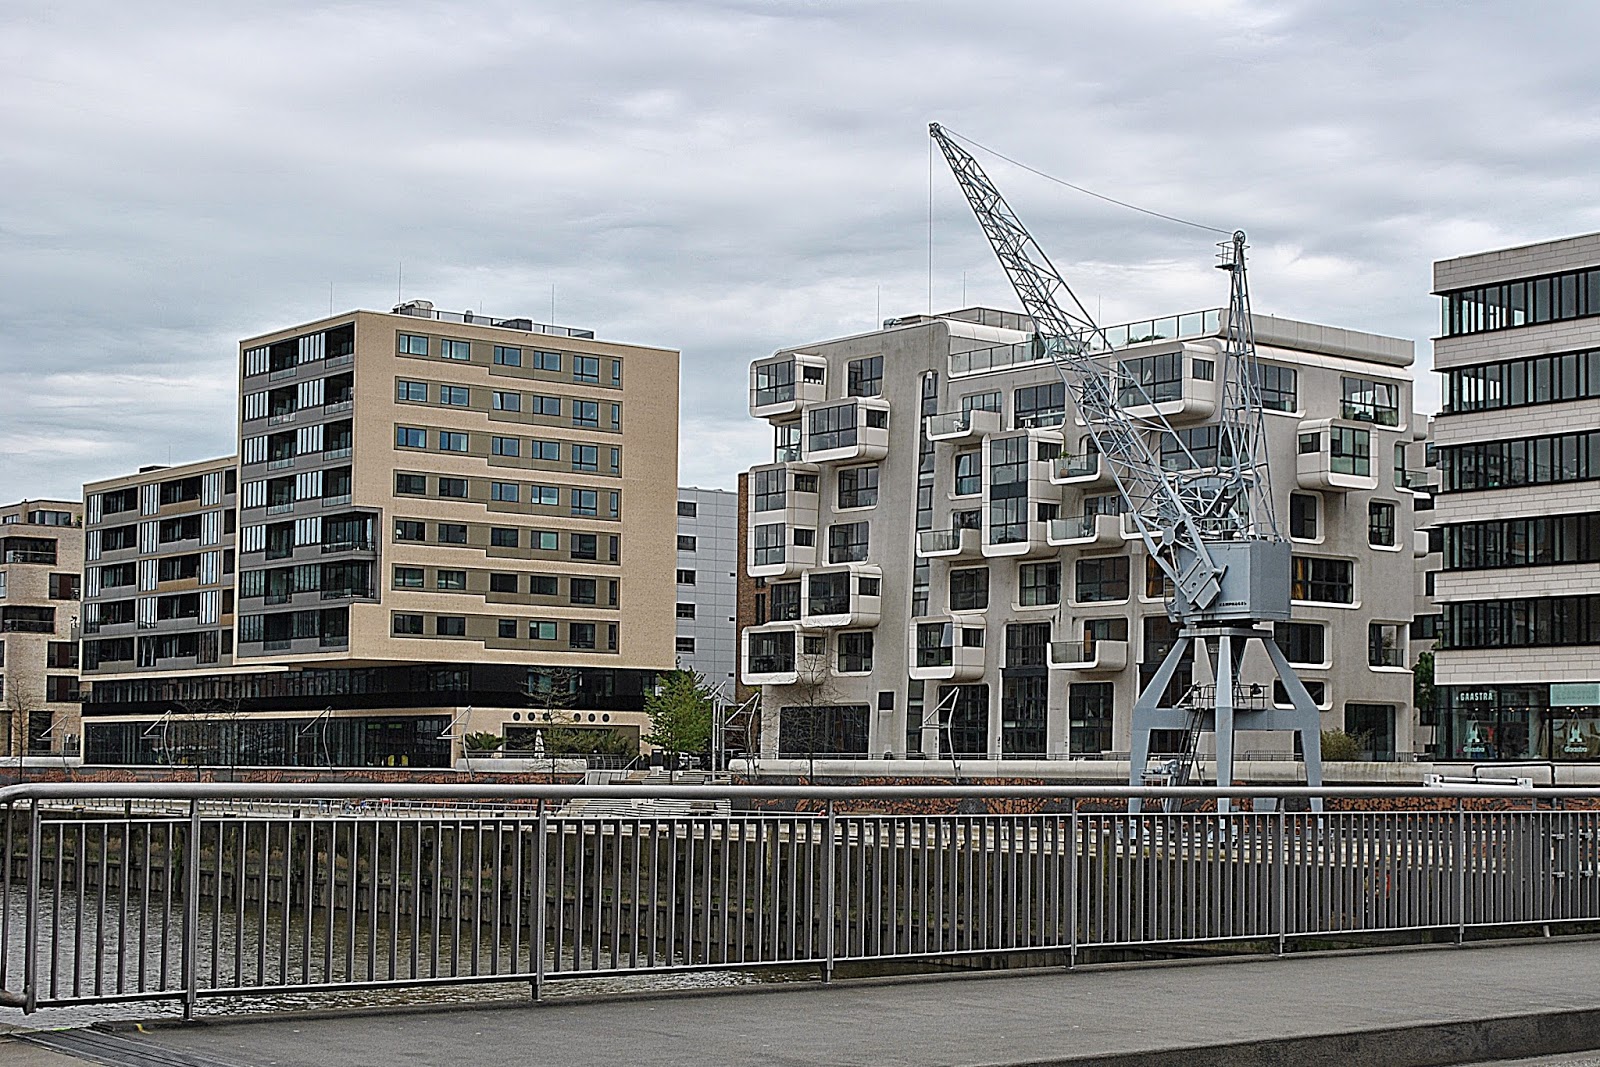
(1088, 471)
(1018, 495)
(1086, 531)
(957, 543)
(846, 431)
(1104, 656)
(963, 425)
(1333, 457)
(947, 648)
(782, 385)
(846, 598)
(1178, 385)
(770, 654)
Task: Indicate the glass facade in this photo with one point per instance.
(1528, 302)
(1545, 721)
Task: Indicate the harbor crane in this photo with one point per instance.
(1209, 527)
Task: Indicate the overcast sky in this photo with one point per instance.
(725, 178)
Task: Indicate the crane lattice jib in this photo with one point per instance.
(1168, 511)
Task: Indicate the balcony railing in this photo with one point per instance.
(352, 593)
(949, 423)
(337, 500)
(1075, 528)
(336, 453)
(939, 540)
(26, 626)
(346, 546)
(280, 464)
(278, 374)
(1360, 411)
(336, 407)
(1086, 466)
(280, 509)
(771, 664)
(24, 555)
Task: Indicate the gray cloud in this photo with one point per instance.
(723, 177)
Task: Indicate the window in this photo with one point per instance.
(1277, 387)
(858, 487)
(506, 356)
(1026, 644)
(687, 508)
(1327, 581)
(864, 377)
(410, 437)
(405, 624)
(684, 644)
(502, 583)
(548, 451)
(804, 537)
(408, 577)
(769, 489)
(459, 350)
(767, 543)
(450, 441)
(452, 533)
(1386, 644)
(545, 496)
(1370, 401)
(410, 485)
(685, 611)
(1317, 691)
(982, 402)
(581, 590)
(685, 577)
(586, 369)
(969, 473)
(785, 602)
(585, 457)
(1526, 542)
(1038, 584)
(855, 652)
(616, 373)
(583, 546)
(541, 631)
(1533, 380)
(455, 396)
(1102, 578)
(580, 635)
(415, 392)
(1194, 448)
(503, 537)
(1303, 516)
(1302, 642)
(831, 427)
(774, 383)
(1040, 405)
(454, 581)
(969, 589)
(686, 543)
(1503, 305)
(547, 406)
(828, 593)
(585, 501)
(453, 487)
(508, 629)
(847, 542)
(505, 446)
(409, 530)
(545, 540)
(411, 344)
(1380, 523)
(586, 413)
(543, 585)
(1151, 379)
(1090, 706)
(548, 361)
(507, 492)
(450, 626)
(1351, 451)
(1569, 457)
(1008, 490)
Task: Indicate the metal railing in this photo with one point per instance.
(140, 892)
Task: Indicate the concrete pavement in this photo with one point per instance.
(1404, 1008)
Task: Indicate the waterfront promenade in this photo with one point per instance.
(1401, 1008)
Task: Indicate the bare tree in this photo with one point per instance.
(812, 691)
(21, 702)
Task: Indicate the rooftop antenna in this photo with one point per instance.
(399, 283)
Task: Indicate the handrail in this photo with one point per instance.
(67, 791)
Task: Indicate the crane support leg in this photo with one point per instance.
(1308, 723)
(1149, 715)
(1222, 671)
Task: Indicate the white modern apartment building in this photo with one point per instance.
(707, 584)
(944, 569)
(1518, 443)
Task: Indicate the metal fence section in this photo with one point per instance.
(199, 891)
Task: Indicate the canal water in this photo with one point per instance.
(155, 960)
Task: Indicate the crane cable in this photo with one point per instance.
(1081, 189)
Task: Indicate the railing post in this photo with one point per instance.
(1072, 887)
(828, 897)
(540, 888)
(1280, 902)
(191, 912)
(30, 964)
(1461, 870)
